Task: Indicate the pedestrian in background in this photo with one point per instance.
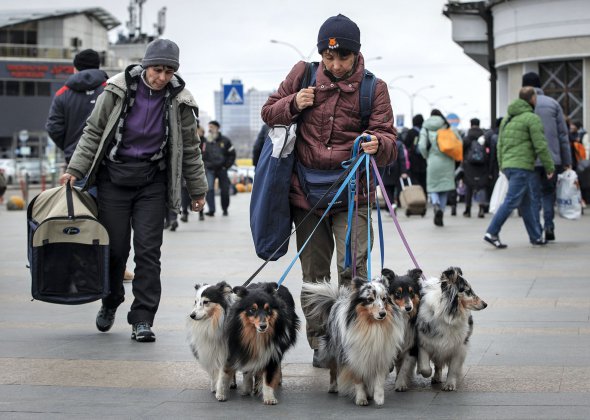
(219, 155)
(417, 171)
(521, 142)
(440, 168)
(138, 143)
(556, 133)
(475, 168)
(327, 131)
(259, 143)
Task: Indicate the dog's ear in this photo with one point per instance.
(415, 274)
(388, 274)
(224, 288)
(241, 291)
(451, 274)
(270, 287)
(383, 280)
(357, 283)
(198, 286)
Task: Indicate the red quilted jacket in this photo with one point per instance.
(328, 129)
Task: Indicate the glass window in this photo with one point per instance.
(43, 89)
(12, 88)
(17, 36)
(29, 88)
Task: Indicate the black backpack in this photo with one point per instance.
(477, 153)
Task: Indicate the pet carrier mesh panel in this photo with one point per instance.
(68, 248)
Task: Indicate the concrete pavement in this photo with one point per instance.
(529, 355)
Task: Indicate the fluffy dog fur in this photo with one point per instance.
(261, 326)
(445, 325)
(405, 293)
(364, 333)
(205, 327)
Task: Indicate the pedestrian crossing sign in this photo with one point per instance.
(233, 94)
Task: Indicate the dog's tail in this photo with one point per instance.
(317, 300)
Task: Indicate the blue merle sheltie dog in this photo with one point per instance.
(205, 327)
(405, 293)
(364, 332)
(261, 326)
(445, 325)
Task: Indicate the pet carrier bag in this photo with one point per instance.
(68, 248)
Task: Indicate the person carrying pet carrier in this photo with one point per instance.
(138, 144)
(328, 118)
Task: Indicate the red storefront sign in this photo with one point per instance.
(39, 71)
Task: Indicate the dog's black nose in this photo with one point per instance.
(193, 315)
(485, 305)
(262, 327)
(408, 308)
(382, 314)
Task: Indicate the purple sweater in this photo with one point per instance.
(144, 129)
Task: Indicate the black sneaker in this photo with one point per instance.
(494, 240)
(173, 226)
(549, 234)
(142, 332)
(210, 213)
(438, 216)
(184, 217)
(225, 213)
(201, 215)
(105, 318)
(539, 242)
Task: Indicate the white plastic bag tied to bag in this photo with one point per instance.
(499, 192)
(569, 196)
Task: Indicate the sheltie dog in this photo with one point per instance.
(445, 325)
(364, 333)
(405, 293)
(261, 326)
(205, 327)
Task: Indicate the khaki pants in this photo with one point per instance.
(316, 258)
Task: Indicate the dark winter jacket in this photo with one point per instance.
(417, 161)
(71, 106)
(327, 130)
(554, 127)
(219, 154)
(392, 172)
(475, 175)
(257, 149)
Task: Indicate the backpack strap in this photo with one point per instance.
(367, 91)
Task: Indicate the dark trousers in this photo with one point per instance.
(221, 175)
(545, 197)
(143, 209)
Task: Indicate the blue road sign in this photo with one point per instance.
(233, 94)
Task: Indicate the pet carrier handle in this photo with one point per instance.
(69, 200)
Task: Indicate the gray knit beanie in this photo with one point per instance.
(161, 52)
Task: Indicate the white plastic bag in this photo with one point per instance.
(499, 192)
(569, 196)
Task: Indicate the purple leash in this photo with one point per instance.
(392, 213)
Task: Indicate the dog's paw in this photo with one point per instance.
(401, 386)
(245, 392)
(333, 389)
(220, 396)
(233, 385)
(379, 400)
(270, 401)
(449, 386)
(361, 401)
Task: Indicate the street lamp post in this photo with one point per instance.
(303, 57)
(412, 96)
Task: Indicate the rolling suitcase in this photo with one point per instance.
(412, 198)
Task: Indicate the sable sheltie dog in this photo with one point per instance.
(205, 327)
(261, 326)
(364, 333)
(445, 325)
(405, 293)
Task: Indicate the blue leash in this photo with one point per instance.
(366, 159)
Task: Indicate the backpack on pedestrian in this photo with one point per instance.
(476, 155)
(67, 247)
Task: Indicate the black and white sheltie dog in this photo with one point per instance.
(205, 327)
(405, 293)
(364, 333)
(445, 325)
(262, 325)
